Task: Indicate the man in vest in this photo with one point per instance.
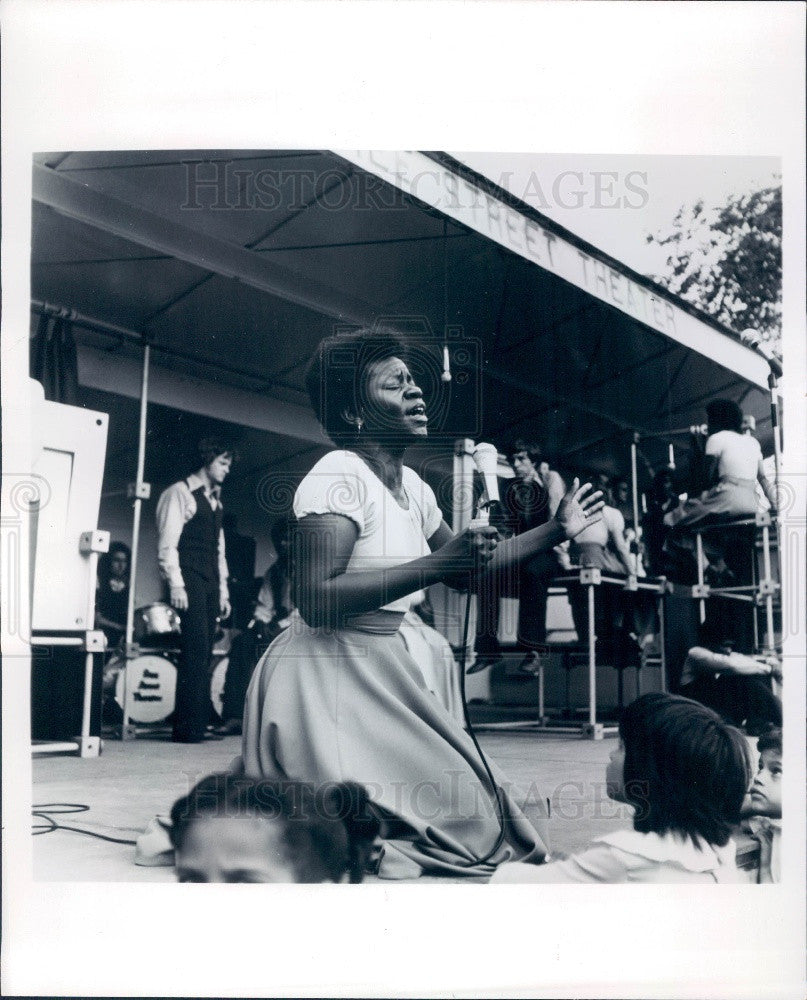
(192, 562)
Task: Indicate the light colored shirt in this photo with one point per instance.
(630, 856)
(175, 508)
(342, 483)
(738, 455)
(555, 488)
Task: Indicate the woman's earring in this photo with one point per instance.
(359, 425)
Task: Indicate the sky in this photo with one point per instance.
(614, 201)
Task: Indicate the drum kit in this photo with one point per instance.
(150, 678)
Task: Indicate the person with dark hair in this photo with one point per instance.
(763, 806)
(734, 685)
(229, 828)
(112, 592)
(340, 697)
(192, 561)
(685, 774)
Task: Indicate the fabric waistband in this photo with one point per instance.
(379, 622)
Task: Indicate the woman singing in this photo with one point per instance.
(339, 697)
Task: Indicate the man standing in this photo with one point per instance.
(192, 561)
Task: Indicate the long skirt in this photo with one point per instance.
(352, 704)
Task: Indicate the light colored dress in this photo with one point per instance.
(734, 494)
(630, 856)
(353, 704)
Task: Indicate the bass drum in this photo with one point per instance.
(151, 684)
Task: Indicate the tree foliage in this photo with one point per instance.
(727, 261)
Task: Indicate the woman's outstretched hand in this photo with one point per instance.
(579, 508)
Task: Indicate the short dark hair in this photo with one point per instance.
(105, 562)
(770, 740)
(213, 445)
(327, 831)
(686, 771)
(531, 448)
(724, 415)
(336, 374)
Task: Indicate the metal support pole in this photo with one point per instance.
(141, 461)
(635, 498)
(592, 661)
(699, 556)
(541, 712)
(662, 638)
(85, 742)
(770, 639)
(777, 459)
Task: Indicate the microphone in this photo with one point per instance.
(446, 374)
(753, 339)
(486, 457)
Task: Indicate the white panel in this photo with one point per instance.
(71, 462)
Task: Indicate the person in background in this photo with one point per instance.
(528, 501)
(734, 685)
(112, 593)
(192, 561)
(725, 471)
(235, 829)
(685, 773)
(623, 501)
(272, 614)
(763, 806)
(662, 498)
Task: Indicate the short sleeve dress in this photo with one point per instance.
(352, 703)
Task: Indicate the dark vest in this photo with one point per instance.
(524, 505)
(198, 546)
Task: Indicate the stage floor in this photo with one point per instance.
(131, 782)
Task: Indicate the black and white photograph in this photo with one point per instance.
(420, 518)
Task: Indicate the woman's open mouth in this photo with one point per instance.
(418, 413)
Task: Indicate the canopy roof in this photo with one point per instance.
(236, 263)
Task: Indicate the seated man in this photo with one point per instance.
(528, 501)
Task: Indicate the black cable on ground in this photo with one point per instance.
(47, 810)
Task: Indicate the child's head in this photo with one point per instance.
(682, 768)
(235, 829)
(766, 790)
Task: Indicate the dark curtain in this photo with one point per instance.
(54, 361)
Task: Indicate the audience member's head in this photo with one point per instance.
(229, 828)
(724, 415)
(765, 797)
(681, 767)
